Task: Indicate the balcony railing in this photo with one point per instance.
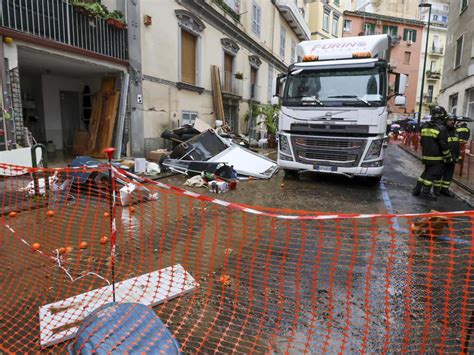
(59, 21)
(433, 74)
(295, 19)
(231, 85)
(428, 98)
(437, 50)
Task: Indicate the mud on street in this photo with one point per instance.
(337, 284)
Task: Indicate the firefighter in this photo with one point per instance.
(435, 151)
(464, 133)
(441, 186)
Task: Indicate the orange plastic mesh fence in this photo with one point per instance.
(264, 281)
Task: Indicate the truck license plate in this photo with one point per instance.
(325, 169)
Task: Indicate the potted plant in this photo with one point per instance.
(239, 76)
(116, 19)
(270, 121)
(91, 9)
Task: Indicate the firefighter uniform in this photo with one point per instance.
(435, 151)
(464, 133)
(442, 185)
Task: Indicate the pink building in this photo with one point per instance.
(406, 48)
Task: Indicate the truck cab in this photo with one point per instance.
(333, 117)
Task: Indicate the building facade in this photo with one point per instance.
(326, 18)
(60, 55)
(53, 56)
(457, 88)
(405, 51)
(407, 9)
(436, 51)
(250, 41)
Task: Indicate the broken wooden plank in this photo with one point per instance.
(59, 321)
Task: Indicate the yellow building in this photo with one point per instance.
(404, 9)
(326, 18)
(436, 51)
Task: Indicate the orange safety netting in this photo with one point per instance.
(261, 280)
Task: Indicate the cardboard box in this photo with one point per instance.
(156, 155)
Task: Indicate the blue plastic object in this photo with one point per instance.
(123, 328)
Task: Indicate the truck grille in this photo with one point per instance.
(328, 151)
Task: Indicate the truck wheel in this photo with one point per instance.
(291, 174)
(373, 180)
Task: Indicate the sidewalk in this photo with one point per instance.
(463, 185)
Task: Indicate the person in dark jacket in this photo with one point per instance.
(464, 133)
(441, 186)
(435, 151)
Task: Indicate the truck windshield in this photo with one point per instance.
(337, 87)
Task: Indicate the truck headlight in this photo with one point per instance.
(284, 144)
(374, 150)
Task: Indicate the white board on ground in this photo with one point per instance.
(19, 157)
(59, 321)
(246, 162)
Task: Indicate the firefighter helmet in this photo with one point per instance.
(438, 113)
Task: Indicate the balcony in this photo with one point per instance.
(295, 19)
(231, 86)
(437, 50)
(433, 74)
(59, 22)
(428, 98)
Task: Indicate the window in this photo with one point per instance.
(188, 57)
(347, 26)
(464, 4)
(293, 51)
(458, 55)
(189, 46)
(188, 117)
(434, 18)
(282, 42)
(444, 18)
(433, 66)
(369, 29)
(228, 72)
(453, 104)
(445, 7)
(335, 25)
(326, 20)
(407, 58)
(391, 30)
(409, 35)
(270, 83)
(429, 97)
(336, 2)
(256, 18)
(253, 82)
(470, 104)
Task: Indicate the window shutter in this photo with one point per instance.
(385, 29)
(413, 35)
(405, 34)
(188, 58)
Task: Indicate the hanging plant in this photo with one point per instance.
(93, 10)
(116, 19)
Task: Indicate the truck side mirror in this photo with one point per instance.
(400, 101)
(401, 82)
(275, 100)
(279, 83)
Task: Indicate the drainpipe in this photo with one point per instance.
(137, 138)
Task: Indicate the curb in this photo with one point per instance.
(460, 184)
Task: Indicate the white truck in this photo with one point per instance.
(333, 117)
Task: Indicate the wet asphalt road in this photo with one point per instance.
(348, 289)
(338, 194)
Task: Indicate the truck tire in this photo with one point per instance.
(291, 174)
(372, 180)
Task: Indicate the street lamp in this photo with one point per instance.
(424, 4)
